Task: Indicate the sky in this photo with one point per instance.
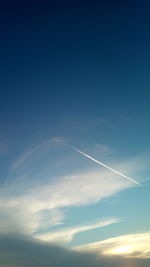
(74, 133)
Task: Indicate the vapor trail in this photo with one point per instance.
(104, 165)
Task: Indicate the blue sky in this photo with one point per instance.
(75, 74)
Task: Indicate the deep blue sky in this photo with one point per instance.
(68, 59)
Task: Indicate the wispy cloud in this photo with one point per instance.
(25, 156)
(30, 207)
(22, 158)
(78, 189)
(57, 140)
(131, 245)
(105, 149)
(67, 234)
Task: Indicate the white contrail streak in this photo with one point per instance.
(104, 165)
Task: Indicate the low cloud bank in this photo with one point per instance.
(21, 251)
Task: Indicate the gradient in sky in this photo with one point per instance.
(74, 74)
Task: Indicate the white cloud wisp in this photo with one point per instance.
(66, 235)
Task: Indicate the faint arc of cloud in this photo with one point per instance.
(104, 165)
(25, 156)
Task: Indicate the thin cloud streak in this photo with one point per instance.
(66, 235)
(24, 157)
(104, 165)
(20, 161)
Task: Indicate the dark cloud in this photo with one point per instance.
(22, 251)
